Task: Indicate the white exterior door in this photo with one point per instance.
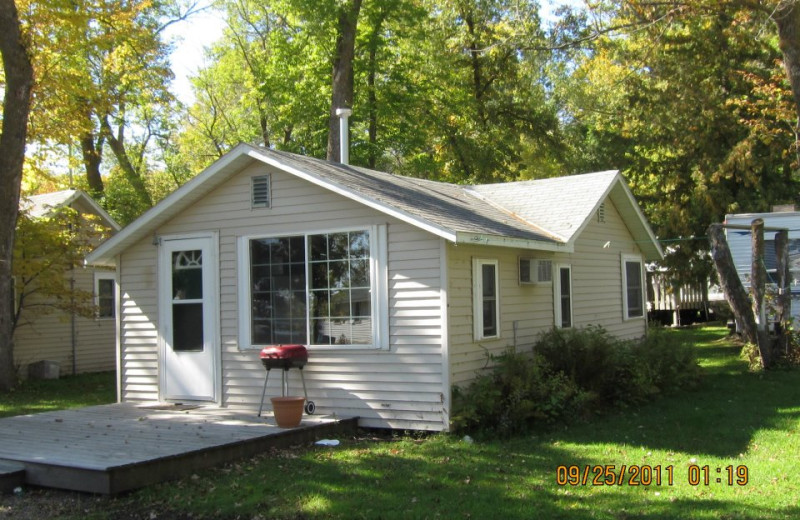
(188, 309)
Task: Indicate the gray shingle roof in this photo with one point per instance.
(445, 205)
(44, 204)
(559, 205)
(545, 214)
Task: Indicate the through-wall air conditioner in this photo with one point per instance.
(535, 270)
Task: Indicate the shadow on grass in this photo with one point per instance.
(439, 478)
(717, 419)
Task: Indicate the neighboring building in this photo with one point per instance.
(740, 243)
(399, 286)
(77, 344)
(670, 302)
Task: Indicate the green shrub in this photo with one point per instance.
(591, 358)
(661, 365)
(520, 391)
(572, 373)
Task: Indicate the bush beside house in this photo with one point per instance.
(571, 373)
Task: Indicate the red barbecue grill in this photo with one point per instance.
(285, 357)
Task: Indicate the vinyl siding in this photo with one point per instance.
(398, 387)
(47, 335)
(596, 294)
(597, 276)
(139, 323)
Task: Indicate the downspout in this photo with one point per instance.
(344, 135)
(73, 328)
(118, 325)
(72, 324)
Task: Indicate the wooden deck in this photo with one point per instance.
(113, 448)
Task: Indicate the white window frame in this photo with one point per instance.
(105, 275)
(477, 297)
(557, 317)
(379, 287)
(625, 310)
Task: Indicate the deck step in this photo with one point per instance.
(12, 475)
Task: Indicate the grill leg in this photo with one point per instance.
(303, 380)
(263, 393)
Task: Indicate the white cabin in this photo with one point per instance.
(399, 287)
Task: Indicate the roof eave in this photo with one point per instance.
(79, 194)
(648, 242)
(619, 193)
(483, 239)
(105, 253)
(426, 225)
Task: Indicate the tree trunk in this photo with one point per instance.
(262, 120)
(731, 284)
(475, 62)
(372, 108)
(787, 18)
(758, 281)
(342, 82)
(783, 305)
(131, 174)
(16, 107)
(92, 157)
(374, 41)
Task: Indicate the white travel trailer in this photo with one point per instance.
(739, 241)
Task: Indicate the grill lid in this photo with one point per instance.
(278, 352)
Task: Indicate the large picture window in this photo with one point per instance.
(316, 289)
(632, 287)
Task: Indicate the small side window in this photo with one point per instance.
(632, 287)
(562, 296)
(105, 295)
(261, 191)
(486, 304)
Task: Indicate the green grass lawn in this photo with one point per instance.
(58, 394)
(734, 419)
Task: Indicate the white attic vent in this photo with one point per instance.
(533, 271)
(601, 213)
(260, 191)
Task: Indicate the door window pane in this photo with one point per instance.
(187, 275)
(187, 323)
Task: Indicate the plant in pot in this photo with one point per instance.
(288, 410)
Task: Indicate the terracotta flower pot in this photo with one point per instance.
(288, 410)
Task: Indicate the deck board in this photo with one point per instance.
(113, 448)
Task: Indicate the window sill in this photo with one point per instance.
(320, 348)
